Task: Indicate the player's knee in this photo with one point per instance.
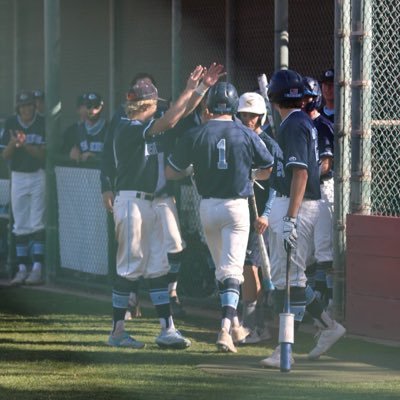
(124, 285)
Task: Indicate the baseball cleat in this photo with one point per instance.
(19, 278)
(34, 278)
(274, 360)
(172, 339)
(239, 333)
(124, 340)
(225, 342)
(327, 338)
(257, 335)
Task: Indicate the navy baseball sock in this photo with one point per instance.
(229, 295)
(158, 288)
(21, 249)
(120, 298)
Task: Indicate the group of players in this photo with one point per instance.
(226, 151)
(221, 140)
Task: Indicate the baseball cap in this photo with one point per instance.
(142, 90)
(38, 94)
(92, 100)
(328, 75)
(25, 97)
(252, 102)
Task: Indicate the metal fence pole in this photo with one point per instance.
(230, 39)
(341, 138)
(361, 108)
(53, 108)
(281, 41)
(281, 35)
(176, 47)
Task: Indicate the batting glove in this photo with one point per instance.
(268, 285)
(289, 232)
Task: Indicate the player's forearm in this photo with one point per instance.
(297, 190)
(173, 114)
(326, 166)
(262, 174)
(173, 175)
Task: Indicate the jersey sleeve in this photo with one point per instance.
(325, 141)
(296, 154)
(262, 157)
(180, 158)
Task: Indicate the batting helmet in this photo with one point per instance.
(312, 89)
(285, 85)
(254, 103)
(223, 99)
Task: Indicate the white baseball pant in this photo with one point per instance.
(306, 221)
(28, 201)
(226, 224)
(141, 252)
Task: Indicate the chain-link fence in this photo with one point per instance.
(385, 110)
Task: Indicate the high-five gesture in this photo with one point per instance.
(212, 74)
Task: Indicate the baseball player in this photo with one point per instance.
(107, 178)
(328, 94)
(295, 209)
(23, 146)
(70, 135)
(223, 152)
(138, 179)
(252, 112)
(91, 133)
(330, 330)
(39, 101)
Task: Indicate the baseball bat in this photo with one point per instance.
(263, 84)
(265, 263)
(286, 322)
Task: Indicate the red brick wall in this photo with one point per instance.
(373, 276)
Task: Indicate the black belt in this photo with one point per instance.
(136, 194)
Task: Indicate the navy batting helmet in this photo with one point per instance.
(223, 99)
(285, 85)
(312, 89)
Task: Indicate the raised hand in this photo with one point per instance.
(194, 77)
(212, 74)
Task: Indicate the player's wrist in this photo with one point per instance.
(201, 89)
(288, 218)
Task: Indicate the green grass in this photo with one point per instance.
(52, 346)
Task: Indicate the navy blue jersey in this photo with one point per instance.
(263, 194)
(21, 160)
(69, 138)
(325, 139)
(222, 153)
(108, 164)
(298, 139)
(136, 156)
(91, 138)
(329, 115)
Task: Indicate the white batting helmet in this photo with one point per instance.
(253, 102)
